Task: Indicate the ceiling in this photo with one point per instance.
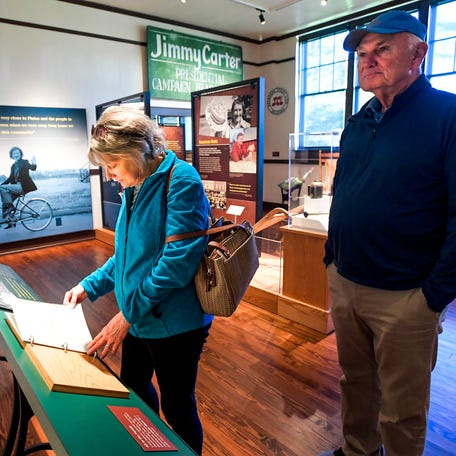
(240, 18)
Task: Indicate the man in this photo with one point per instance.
(391, 249)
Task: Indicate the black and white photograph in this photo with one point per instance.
(44, 172)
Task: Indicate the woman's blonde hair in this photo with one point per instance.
(125, 133)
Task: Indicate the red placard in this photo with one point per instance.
(141, 429)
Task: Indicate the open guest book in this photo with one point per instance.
(56, 338)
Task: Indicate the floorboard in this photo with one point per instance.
(266, 386)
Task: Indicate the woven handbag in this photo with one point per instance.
(227, 267)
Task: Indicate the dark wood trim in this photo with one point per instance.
(126, 12)
(113, 38)
(280, 161)
(269, 62)
(49, 241)
(70, 31)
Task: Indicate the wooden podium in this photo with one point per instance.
(305, 296)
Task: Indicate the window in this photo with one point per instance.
(322, 85)
(323, 66)
(441, 60)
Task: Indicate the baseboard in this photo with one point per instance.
(105, 235)
(49, 241)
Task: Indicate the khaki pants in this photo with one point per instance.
(387, 345)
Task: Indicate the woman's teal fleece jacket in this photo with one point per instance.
(153, 282)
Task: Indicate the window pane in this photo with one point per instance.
(447, 83)
(340, 54)
(327, 50)
(324, 71)
(313, 54)
(313, 80)
(324, 112)
(446, 21)
(326, 78)
(444, 56)
(340, 75)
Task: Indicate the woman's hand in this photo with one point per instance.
(74, 296)
(110, 337)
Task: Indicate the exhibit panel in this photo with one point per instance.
(175, 120)
(228, 147)
(44, 173)
(111, 190)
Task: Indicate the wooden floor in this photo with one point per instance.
(266, 386)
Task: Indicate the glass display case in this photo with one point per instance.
(291, 280)
(308, 189)
(269, 274)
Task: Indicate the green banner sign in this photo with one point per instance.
(179, 64)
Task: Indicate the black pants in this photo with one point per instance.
(175, 363)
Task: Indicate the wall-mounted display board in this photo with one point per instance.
(111, 190)
(179, 63)
(228, 146)
(175, 139)
(46, 150)
(174, 117)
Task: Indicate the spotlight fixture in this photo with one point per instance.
(324, 2)
(261, 17)
(183, 1)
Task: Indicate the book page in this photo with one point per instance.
(5, 297)
(55, 325)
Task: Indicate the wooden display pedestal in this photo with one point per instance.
(305, 297)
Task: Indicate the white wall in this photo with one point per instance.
(277, 127)
(56, 69)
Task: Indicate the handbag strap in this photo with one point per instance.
(191, 234)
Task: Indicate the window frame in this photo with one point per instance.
(427, 14)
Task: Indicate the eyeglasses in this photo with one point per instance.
(100, 131)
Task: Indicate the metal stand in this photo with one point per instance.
(17, 435)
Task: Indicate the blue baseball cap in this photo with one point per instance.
(386, 24)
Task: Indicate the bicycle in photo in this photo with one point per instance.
(35, 214)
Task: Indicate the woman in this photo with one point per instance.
(236, 120)
(237, 115)
(160, 324)
(18, 182)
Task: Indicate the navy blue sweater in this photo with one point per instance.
(393, 215)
